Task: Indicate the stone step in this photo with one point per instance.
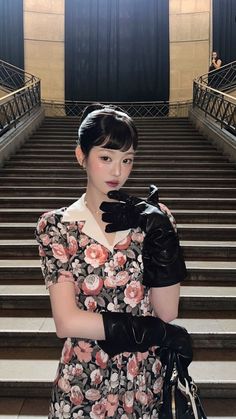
(77, 190)
(20, 215)
(193, 300)
(38, 332)
(193, 250)
(199, 272)
(31, 377)
(30, 145)
(171, 174)
(32, 408)
(145, 150)
(172, 203)
(138, 182)
(141, 164)
(188, 157)
(209, 232)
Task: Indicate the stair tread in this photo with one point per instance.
(35, 263)
(45, 325)
(44, 371)
(184, 243)
(185, 291)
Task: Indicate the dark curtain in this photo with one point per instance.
(224, 29)
(12, 40)
(117, 50)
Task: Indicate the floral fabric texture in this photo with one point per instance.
(89, 383)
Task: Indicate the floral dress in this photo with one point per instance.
(89, 383)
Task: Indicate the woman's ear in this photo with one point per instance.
(80, 156)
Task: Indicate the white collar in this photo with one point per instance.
(78, 211)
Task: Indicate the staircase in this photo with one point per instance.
(195, 181)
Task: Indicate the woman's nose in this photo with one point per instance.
(116, 169)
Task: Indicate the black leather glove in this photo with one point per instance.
(162, 256)
(127, 333)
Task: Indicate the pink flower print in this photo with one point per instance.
(41, 225)
(41, 251)
(133, 293)
(156, 368)
(83, 240)
(60, 252)
(112, 404)
(137, 237)
(92, 285)
(110, 282)
(102, 359)
(96, 377)
(132, 368)
(76, 396)
(123, 244)
(141, 397)
(62, 410)
(65, 276)
(93, 394)
(141, 356)
(77, 370)
(67, 352)
(45, 239)
(119, 259)
(90, 303)
(157, 386)
(128, 401)
(122, 278)
(73, 245)
(95, 255)
(98, 410)
(83, 351)
(64, 384)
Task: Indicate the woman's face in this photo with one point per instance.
(214, 55)
(108, 169)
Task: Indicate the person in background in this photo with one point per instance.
(113, 266)
(214, 78)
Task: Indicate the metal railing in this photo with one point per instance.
(13, 78)
(223, 79)
(214, 101)
(14, 106)
(134, 109)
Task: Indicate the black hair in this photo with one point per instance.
(107, 126)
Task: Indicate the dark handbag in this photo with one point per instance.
(180, 395)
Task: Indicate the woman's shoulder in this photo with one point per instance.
(52, 217)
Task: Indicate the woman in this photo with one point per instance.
(113, 320)
(214, 78)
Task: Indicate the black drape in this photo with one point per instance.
(224, 29)
(11, 32)
(12, 40)
(117, 50)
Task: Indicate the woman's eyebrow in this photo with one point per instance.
(113, 151)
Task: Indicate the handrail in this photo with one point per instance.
(24, 95)
(134, 109)
(209, 95)
(12, 77)
(223, 78)
(14, 106)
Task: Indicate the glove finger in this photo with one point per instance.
(111, 228)
(108, 217)
(153, 196)
(111, 207)
(124, 197)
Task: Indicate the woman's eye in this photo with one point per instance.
(128, 161)
(105, 158)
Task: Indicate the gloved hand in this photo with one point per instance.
(130, 212)
(127, 333)
(162, 256)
